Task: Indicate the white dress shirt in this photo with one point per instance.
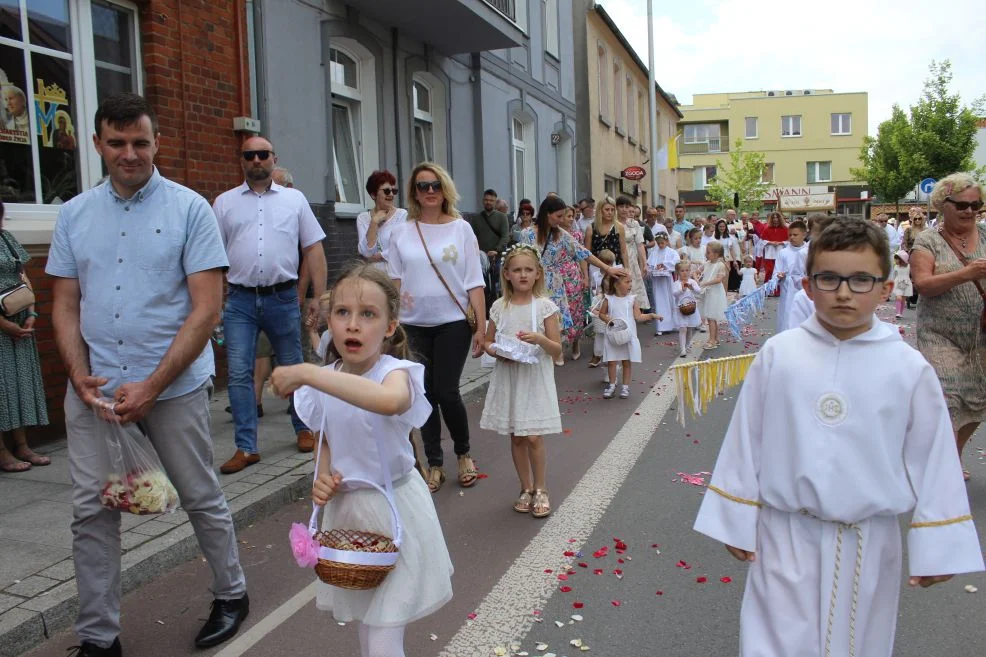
(263, 233)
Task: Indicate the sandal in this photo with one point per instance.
(541, 502)
(435, 478)
(966, 475)
(24, 453)
(596, 361)
(13, 464)
(467, 471)
(523, 503)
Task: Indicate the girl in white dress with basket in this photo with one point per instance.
(524, 335)
(380, 554)
(713, 303)
(685, 313)
(621, 311)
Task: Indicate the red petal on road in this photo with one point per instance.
(620, 545)
(620, 561)
(563, 577)
(615, 603)
(597, 571)
(682, 564)
(482, 475)
(599, 554)
(471, 616)
(567, 431)
(725, 580)
(617, 572)
(660, 593)
(578, 605)
(654, 545)
(571, 540)
(565, 589)
(569, 553)
(583, 564)
(702, 579)
(548, 570)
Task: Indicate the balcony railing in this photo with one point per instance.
(714, 146)
(506, 7)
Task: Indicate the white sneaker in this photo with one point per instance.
(624, 392)
(682, 354)
(702, 329)
(608, 392)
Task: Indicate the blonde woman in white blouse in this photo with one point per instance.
(434, 260)
(374, 227)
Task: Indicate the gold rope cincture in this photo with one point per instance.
(699, 382)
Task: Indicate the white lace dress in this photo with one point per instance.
(522, 399)
(635, 237)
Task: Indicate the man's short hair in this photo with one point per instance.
(123, 110)
(286, 177)
(491, 192)
(800, 225)
(679, 207)
(589, 200)
(819, 221)
(622, 200)
(847, 234)
(659, 207)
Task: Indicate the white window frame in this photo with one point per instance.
(33, 223)
(619, 118)
(631, 94)
(437, 117)
(701, 178)
(526, 145)
(817, 168)
(789, 120)
(844, 121)
(746, 127)
(551, 29)
(703, 133)
(767, 166)
(362, 104)
(424, 123)
(602, 79)
(520, 14)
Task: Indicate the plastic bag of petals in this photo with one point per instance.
(133, 477)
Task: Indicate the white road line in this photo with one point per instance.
(506, 614)
(248, 639)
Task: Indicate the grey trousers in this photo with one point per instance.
(179, 430)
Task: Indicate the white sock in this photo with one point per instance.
(377, 641)
(683, 338)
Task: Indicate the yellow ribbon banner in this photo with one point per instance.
(700, 381)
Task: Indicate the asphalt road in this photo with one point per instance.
(613, 475)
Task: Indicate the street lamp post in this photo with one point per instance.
(652, 99)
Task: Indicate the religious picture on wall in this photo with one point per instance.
(16, 161)
(57, 152)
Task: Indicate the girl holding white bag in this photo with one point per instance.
(524, 335)
(621, 311)
(365, 402)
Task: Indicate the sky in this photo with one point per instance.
(882, 47)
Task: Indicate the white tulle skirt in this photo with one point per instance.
(421, 581)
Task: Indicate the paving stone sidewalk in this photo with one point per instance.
(38, 595)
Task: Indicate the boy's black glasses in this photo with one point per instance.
(263, 155)
(965, 205)
(431, 185)
(827, 281)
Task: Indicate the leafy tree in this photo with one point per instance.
(936, 139)
(944, 130)
(741, 178)
(890, 164)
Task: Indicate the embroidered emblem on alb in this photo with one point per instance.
(831, 409)
(450, 254)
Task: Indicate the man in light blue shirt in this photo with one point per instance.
(138, 265)
(681, 225)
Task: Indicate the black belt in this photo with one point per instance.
(267, 290)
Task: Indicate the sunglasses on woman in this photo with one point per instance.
(429, 186)
(965, 205)
(388, 191)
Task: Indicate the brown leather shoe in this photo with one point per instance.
(306, 441)
(239, 461)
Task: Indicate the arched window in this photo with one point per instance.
(354, 120)
(424, 122)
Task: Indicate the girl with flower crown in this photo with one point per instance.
(524, 334)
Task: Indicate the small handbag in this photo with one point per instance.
(467, 311)
(17, 297)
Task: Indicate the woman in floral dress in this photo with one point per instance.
(576, 278)
(558, 250)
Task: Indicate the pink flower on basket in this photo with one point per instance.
(304, 547)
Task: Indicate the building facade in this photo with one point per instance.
(346, 88)
(614, 114)
(811, 138)
(186, 56)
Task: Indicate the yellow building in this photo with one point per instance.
(809, 137)
(613, 124)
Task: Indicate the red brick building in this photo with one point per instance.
(188, 57)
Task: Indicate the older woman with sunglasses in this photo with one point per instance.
(376, 225)
(948, 268)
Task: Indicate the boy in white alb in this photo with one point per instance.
(815, 469)
(789, 271)
(802, 307)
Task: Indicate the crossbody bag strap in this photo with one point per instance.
(962, 258)
(17, 260)
(424, 244)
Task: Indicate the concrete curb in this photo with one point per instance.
(30, 623)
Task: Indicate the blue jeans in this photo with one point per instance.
(247, 313)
